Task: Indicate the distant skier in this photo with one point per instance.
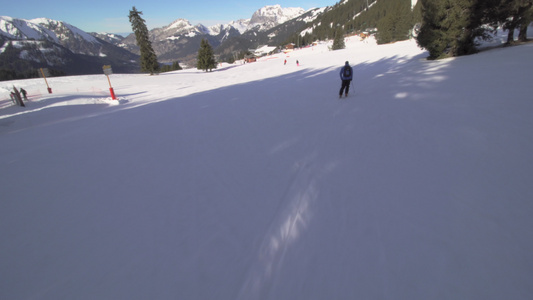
(24, 93)
(346, 77)
(285, 62)
(297, 63)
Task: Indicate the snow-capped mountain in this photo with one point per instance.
(241, 25)
(263, 19)
(181, 39)
(12, 28)
(54, 31)
(182, 27)
(49, 43)
(270, 16)
(108, 37)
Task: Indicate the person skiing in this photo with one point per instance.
(24, 94)
(346, 77)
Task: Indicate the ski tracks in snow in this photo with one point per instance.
(294, 213)
(291, 219)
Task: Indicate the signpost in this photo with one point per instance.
(44, 72)
(108, 71)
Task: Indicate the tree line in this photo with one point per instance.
(12, 67)
(443, 27)
(393, 21)
(454, 27)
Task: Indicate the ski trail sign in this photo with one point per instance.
(108, 71)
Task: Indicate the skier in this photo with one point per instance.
(285, 62)
(346, 77)
(297, 63)
(23, 91)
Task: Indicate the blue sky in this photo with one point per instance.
(112, 15)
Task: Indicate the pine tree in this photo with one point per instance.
(148, 57)
(430, 37)
(338, 42)
(168, 68)
(206, 58)
(450, 27)
(527, 18)
(515, 14)
(176, 66)
(396, 25)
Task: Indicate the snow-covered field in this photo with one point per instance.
(256, 182)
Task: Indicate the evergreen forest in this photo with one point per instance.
(455, 27)
(392, 20)
(443, 27)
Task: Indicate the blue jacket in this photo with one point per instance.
(342, 73)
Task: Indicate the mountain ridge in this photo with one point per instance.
(180, 39)
(44, 42)
(27, 45)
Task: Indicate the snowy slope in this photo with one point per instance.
(262, 184)
(41, 29)
(65, 30)
(21, 29)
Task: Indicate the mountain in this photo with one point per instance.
(108, 37)
(276, 35)
(270, 16)
(180, 40)
(38, 43)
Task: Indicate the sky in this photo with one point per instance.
(112, 16)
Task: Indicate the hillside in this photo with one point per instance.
(256, 182)
(180, 40)
(27, 45)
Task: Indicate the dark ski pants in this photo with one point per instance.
(345, 85)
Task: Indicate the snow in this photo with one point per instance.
(263, 184)
(241, 25)
(81, 34)
(180, 25)
(272, 15)
(306, 31)
(316, 13)
(24, 29)
(263, 50)
(35, 29)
